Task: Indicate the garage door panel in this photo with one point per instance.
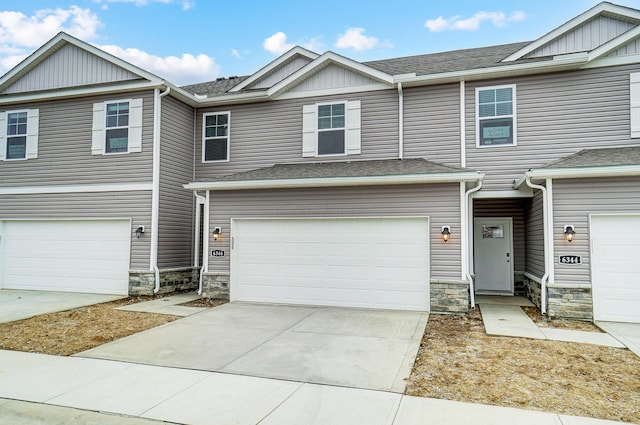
(79, 256)
(616, 268)
(380, 263)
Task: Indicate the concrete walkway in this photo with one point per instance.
(626, 333)
(502, 316)
(142, 393)
(167, 305)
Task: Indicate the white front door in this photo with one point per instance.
(493, 247)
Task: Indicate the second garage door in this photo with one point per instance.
(352, 262)
(89, 256)
(615, 241)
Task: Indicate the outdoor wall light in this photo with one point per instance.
(569, 232)
(217, 233)
(139, 231)
(446, 232)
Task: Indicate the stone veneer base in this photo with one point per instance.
(449, 296)
(171, 280)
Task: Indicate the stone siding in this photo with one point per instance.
(215, 285)
(570, 303)
(171, 280)
(532, 291)
(449, 296)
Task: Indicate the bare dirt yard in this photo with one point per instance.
(456, 361)
(459, 361)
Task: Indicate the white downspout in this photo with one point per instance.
(467, 238)
(400, 122)
(200, 200)
(552, 266)
(155, 195)
(463, 128)
(545, 225)
(205, 242)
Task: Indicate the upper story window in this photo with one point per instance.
(496, 115)
(117, 127)
(19, 134)
(215, 136)
(331, 128)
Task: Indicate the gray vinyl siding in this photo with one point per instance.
(441, 202)
(535, 236)
(70, 66)
(128, 205)
(281, 73)
(513, 208)
(573, 201)
(175, 228)
(64, 147)
(432, 123)
(588, 36)
(332, 77)
(265, 134)
(557, 115)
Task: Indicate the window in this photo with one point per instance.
(496, 112)
(19, 134)
(117, 127)
(331, 129)
(215, 137)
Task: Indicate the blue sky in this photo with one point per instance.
(189, 41)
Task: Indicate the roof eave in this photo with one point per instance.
(579, 172)
(337, 181)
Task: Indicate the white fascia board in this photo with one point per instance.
(573, 23)
(297, 50)
(334, 92)
(79, 188)
(614, 44)
(525, 192)
(580, 172)
(336, 181)
(558, 63)
(230, 99)
(322, 61)
(613, 61)
(77, 92)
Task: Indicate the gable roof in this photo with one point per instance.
(345, 173)
(603, 9)
(61, 40)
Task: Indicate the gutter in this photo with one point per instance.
(336, 181)
(582, 172)
(467, 238)
(547, 241)
(155, 194)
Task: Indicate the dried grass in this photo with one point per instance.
(459, 361)
(545, 322)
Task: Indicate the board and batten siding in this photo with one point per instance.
(573, 201)
(175, 226)
(332, 77)
(64, 147)
(586, 37)
(265, 134)
(557, 115)
(440, 202)
(70, 66)
(432, 123)
(281, 73)
(535, 236)
(135, 206)
(483, 208)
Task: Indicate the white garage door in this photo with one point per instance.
(72, 256)
(373, 262)
(616, 268)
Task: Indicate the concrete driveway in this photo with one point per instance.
(626, 333)
(370, 349)
(19, 304)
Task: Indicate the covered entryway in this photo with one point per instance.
(89, 256)
(352, 262)
(615, 268)
(493, 254)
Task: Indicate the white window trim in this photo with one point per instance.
(32, 134)
(513, 116)
(104, 145)
(318, 131)
(204, 139)
(99, 127)
(6, 124)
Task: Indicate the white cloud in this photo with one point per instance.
(498, 19)
(314, 44)
(354, 39)
(277, 43)
(186, 4)
(236, 53)
(185, 69)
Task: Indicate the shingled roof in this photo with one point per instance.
(599, 158)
